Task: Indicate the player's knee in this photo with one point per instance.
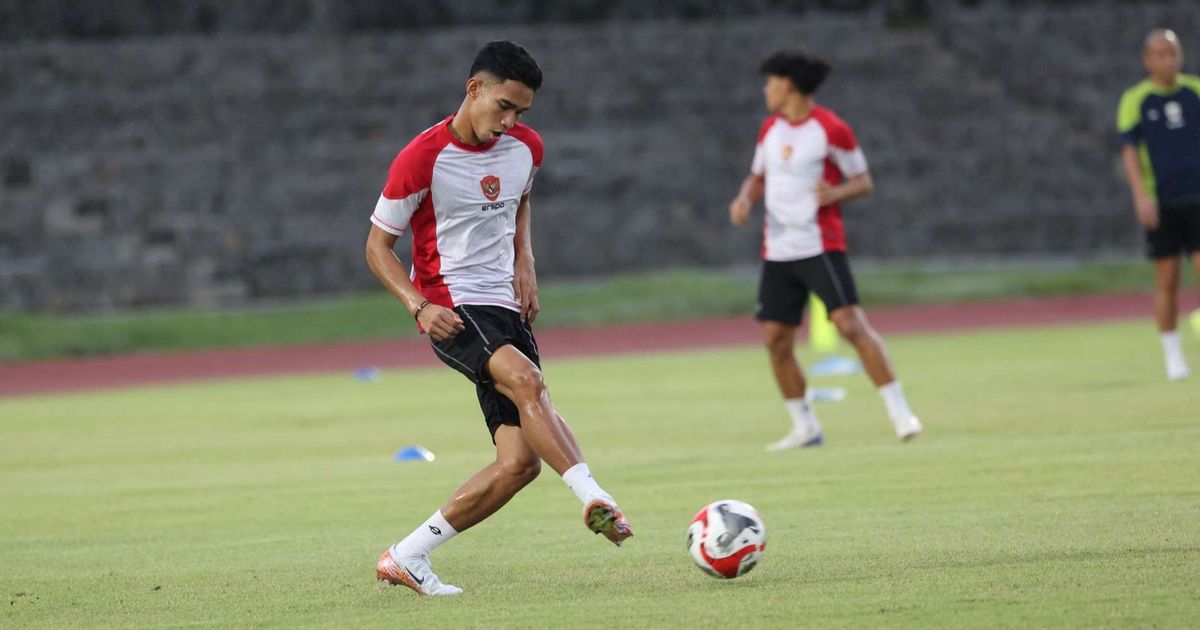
(779, 344)
(522, 470)
(851, 330)
(528, 383)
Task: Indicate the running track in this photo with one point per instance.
(63, 375)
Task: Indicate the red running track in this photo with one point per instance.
(62, 375)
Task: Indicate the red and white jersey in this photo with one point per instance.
(461, 202)
(794, 156)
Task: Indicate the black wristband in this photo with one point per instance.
(417, 313)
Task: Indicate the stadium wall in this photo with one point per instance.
(214, 169)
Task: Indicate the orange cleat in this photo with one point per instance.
(415, 573)
(602, 516)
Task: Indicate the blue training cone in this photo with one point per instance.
(414, 454)
(826, 394)
(835, 366)
(367, 374)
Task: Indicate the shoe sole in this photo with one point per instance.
(603, 518)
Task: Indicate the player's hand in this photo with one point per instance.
(525, 285)
(826, 193)
(440, 322)
(1147, 211)
(739, 211)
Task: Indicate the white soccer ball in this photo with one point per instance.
(727, 538)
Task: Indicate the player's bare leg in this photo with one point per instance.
(518, 379)
(489, 489)
(407, 562)
(1166, 309)
(853, 326)
(780, 341)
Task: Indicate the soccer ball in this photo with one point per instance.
(727, 538)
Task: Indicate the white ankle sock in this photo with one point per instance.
(1173, 352)
(425, 538)
(804, 419)
(893, 399)
(579, 479)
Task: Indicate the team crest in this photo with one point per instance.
(490, 186)
(787, 153)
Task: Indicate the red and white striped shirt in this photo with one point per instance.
(461, 203)
(794, 156)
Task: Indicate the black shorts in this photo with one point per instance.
(1178, 232)
(487, 329)
(784, 287)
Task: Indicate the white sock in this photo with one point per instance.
(1173, 351)
(893, 399)
(579, 479)
(804, 419)
(425, 538)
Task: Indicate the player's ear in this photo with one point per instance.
(474, 86)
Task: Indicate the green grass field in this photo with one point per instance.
(1057, 485)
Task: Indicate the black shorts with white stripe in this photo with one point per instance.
(487, 328)
(784, 287)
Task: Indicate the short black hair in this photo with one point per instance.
(506, 60)
(805, 70)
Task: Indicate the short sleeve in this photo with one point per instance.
(1129, 117)
(533, 140)
(844, 149)
(406, 187)
(758, 165)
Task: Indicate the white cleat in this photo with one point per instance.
(415, 573)
(907, 428)
(796, 439)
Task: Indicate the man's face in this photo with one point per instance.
(1163, 58)
(496, 105)
(775, 91)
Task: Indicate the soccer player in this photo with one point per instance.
(462, 187)
(1159, 123)
(806, 163)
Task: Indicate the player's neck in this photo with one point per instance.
(1165, 82)
(461, 127)
(797, 108)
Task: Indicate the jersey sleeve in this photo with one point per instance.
(758, 165)
(532, 140)
(1129, 117)
(1191, 82)
(844, 150)
(407, 186)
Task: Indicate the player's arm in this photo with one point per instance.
(852, 188)
(441, 323)
(524, 276)
(750, 193)
(1129, 129)
(1143, 202)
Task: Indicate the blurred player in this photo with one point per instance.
(807, 162)
(463, 187)
(1159, 123)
